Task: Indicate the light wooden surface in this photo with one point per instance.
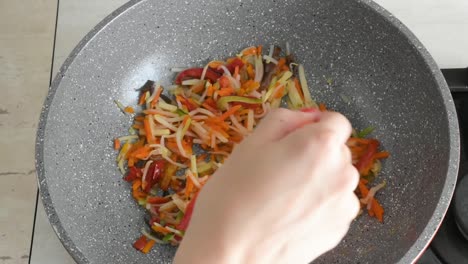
(26, 34)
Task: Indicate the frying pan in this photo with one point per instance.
(381, 76)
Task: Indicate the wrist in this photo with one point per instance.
(208, 251)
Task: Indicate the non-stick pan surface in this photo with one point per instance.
(380, 75)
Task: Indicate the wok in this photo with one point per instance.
(380, 75)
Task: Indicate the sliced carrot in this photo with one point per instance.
(188, 187)
(250, 51)
(236, 72)
(136, 184)
(281, 63)
(382, 155)
(142, 152)
(198, 88)
(142, 99)
(215, 64)
(279, 92)
(229, 112)
(149, 245)
(363, 189)
(250, 71)
(156, 97)
(226, 91)
(146, 124)
(259, 49)
(210, 90)
(377, 209)
(159, 228)
(131, 162)
(139, 118)
(322, 107)
(117, 144)
(138, 195)
(298, 88)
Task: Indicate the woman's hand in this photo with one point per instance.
(285, 195)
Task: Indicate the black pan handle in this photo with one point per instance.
(457, 79)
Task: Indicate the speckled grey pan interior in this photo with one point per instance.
(382, 76)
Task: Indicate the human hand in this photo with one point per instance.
(285, 195)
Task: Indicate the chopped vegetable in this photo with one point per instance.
(214, 108)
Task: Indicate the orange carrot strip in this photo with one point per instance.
(322, 107)
(250, 71)
(377, 209)
(210, 90)
(281, 63)
(149, 245)
(116, 144)
(382, 155)
(259, 49)
(279, 93)
(226, 91)
(131, 163)
(139, 118)
(156, 98)
(198, 88)
(229, 112)
(142, 99)
(188, 187)
(363, 188)
(160, 229)
(250, 51)
(136, 184)
(142, 152)
(138, 195)
(298, 88)
(146, 125)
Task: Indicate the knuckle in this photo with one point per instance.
(326, 138)
(280, 113)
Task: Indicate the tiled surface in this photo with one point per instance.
(75, 19)
(26, 34)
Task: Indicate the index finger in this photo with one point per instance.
(332, 128)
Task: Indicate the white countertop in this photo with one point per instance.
(441, 25)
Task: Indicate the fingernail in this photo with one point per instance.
(310, 110)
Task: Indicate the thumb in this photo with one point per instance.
(280, 122)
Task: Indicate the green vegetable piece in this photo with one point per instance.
(224, 101)
(181, 112)
(365, 132)
(168, 237)
(179, 216)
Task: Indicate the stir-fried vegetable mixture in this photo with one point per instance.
(178, 141)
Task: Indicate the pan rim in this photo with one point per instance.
(411, 255)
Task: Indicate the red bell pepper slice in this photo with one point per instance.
(188, 214)
(196, 73)
(366, 161)
(153, 174)
(133, 174)
(140, 243)
(157, 200)
(235, 63)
